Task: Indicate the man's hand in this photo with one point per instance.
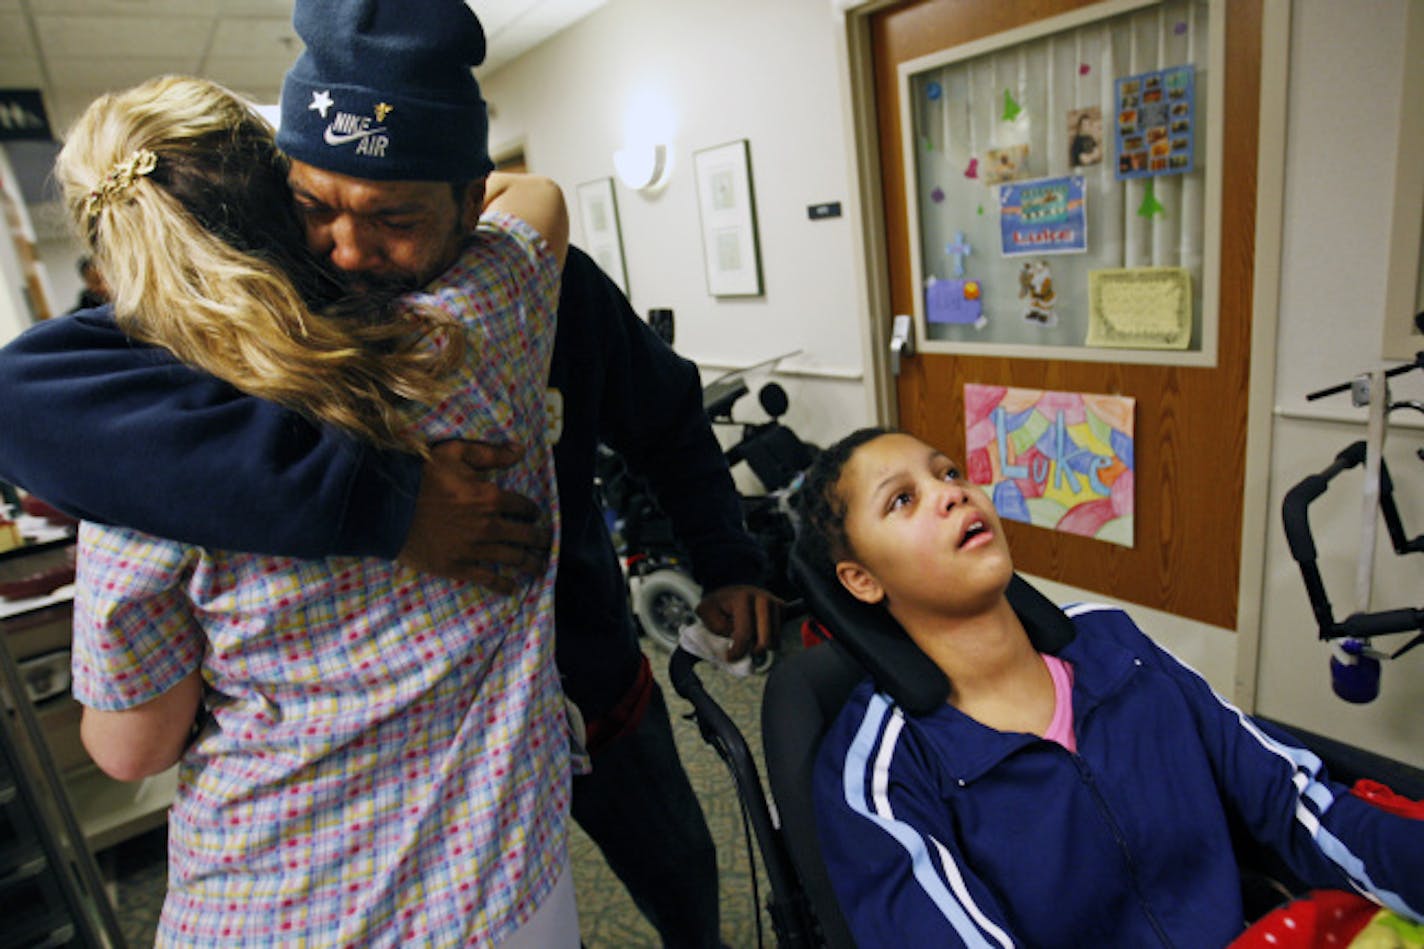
(466, 528)
(743, 612)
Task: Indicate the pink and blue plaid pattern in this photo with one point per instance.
(387, 762)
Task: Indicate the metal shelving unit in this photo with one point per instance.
(51, 893)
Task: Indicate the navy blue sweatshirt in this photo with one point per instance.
(121, 433)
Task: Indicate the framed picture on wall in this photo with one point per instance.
(603, 239)
(727, 204)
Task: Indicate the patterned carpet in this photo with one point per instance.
(608, 919)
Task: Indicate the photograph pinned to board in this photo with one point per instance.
(1085, 136)
(1003, 164)
(727, 204)
(1058, 460)
(1156, 117)
(1140, 308)
(1044, 216)
(602, 236)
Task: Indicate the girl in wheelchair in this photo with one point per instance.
(1077, 794)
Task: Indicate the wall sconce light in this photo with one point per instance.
(642, 168)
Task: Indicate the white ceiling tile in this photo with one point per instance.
(15, 36)
(257, 37)
(65, 105)
(89, 73)
(136, 8)
(249, 76)
(496, 15)
(550, 16)
(88, 46)
(20, 72)
(534, 22)
(279, 8)
(76, 36)
(568, 12)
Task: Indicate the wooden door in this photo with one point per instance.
(1191, 422)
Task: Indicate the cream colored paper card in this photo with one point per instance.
(1140, 308)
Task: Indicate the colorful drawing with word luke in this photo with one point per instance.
(1156, 121)
(1046, 216)
(1059, 460)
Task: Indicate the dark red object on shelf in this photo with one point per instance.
(38, 507)
(41, 582)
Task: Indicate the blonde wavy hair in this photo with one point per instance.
(178, 189)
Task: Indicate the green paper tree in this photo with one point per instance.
(1011, 108)
(1150, 206)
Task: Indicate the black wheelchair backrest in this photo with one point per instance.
(805, 693)
(881, 646)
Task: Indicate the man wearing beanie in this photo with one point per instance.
(385, 124)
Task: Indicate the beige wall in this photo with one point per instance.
(1346, 72)
(698, 74)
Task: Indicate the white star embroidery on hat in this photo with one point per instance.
(321, 101)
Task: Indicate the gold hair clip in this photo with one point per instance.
(119, 180)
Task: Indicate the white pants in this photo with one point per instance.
(554, 924)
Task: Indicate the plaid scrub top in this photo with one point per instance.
(387, 761)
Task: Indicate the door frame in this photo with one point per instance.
(854, 53)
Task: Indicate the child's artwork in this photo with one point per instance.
(955, 301)
(1045, 216)
(1060, 460)
(1005, 164)
(1156, 114)
(1036, 287)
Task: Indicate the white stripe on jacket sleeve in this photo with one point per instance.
(866, 792)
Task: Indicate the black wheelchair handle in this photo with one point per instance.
(1418, 363)
(1294, 509)
(685, 681)
(1382, 622)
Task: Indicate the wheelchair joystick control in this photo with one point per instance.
(1354, 672)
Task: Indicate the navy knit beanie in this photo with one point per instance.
(384, 91)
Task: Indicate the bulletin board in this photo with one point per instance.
(1188, 419)
(1058, 185)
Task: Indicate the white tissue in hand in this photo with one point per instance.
(708, 646)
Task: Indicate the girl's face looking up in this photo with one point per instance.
(923, 538)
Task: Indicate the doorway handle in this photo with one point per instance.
(901, 343)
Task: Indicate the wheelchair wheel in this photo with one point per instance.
(664, 601)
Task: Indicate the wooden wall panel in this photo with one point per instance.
(1191, 422)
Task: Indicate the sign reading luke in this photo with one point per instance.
(1060, 460)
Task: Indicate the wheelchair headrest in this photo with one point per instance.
(885, 650)
(776, 455)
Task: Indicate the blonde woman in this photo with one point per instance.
(383, 757)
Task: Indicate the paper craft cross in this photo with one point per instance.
(959, 250)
